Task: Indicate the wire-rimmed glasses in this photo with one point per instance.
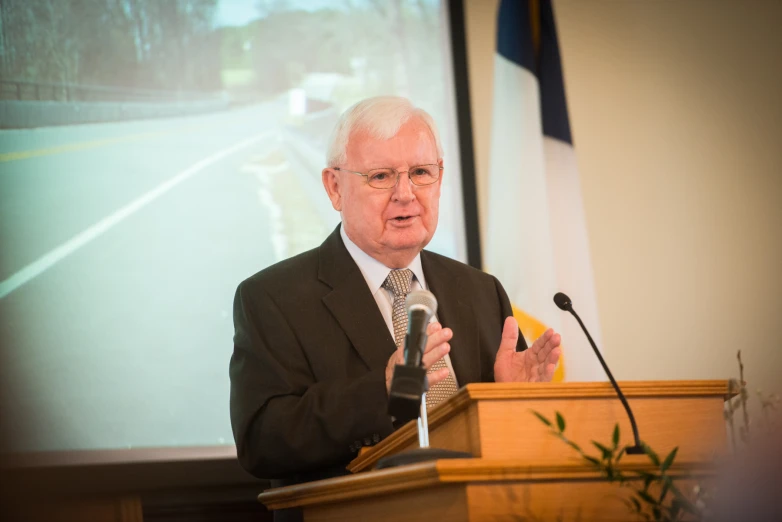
(387, 178)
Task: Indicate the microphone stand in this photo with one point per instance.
(638, 449)
(423, 453)
(423, 425)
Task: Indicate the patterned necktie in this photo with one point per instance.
(399, 282)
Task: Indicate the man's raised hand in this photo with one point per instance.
(536, 364)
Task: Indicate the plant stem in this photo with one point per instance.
(743, 395)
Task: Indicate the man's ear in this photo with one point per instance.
(442, 171)
(333, 188)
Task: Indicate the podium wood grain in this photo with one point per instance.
(471, 490)
(495, 421)
(519, 470)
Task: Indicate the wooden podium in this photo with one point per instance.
(520, 471)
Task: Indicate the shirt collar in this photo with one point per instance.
(375, 272)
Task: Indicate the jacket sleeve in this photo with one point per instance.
(284, 422)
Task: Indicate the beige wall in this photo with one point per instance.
(676, 112)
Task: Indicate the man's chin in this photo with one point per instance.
(408, 240)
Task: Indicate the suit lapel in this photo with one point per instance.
(352, 304)
(454, 310)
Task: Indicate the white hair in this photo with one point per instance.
(380, 117)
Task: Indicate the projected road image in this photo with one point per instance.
(120, 253)
(140, 183)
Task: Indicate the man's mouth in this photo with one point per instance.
(403, 219)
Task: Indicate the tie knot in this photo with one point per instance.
(399, 281)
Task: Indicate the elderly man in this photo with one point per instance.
(318, 335)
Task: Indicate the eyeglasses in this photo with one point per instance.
(420, 175)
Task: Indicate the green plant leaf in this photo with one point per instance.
(646, 497)
(648, 479)
(652, 455)
(543, 419)
(615, 437)
(620, 455)
(636, 504)
(676, 491)
(607, 453)
(664, 491)
(656, 513)
(574, 446)
(560, 422)
(669, 460)
(593, 460)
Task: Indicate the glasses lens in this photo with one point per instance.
(425, 174)
(382, 178)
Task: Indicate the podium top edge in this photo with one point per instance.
(454, 472)
(722, 388)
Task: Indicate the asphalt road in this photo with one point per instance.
(121, 248)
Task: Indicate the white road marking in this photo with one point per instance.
(49, 259)
(266, 197)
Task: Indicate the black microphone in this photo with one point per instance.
(409, 380)
(564, 303)
(420, 306)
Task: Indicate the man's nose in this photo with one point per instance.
(404, 187)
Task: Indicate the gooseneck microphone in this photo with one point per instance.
(409, 381)
(564, 303)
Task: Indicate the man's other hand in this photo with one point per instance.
(436, 348)
(536, 364)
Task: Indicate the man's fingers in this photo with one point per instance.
(433, 327)
(436, 344)
(548, 341)
(546, 337)
(437, 376)
(438, 337)
(539, 343)
(434, 355)
(549, 365)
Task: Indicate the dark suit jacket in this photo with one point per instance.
(310, 351)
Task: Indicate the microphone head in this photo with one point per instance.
(421, 298)
(563, 301)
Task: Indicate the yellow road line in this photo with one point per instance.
(70, 147)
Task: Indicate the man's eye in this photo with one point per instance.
(379, 176)
(420, 172)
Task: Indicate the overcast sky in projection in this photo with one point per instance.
(240, 12)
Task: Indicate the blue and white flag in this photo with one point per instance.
(537, 242)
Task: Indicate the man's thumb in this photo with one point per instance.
(510, 334)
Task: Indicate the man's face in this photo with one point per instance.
(391, 225)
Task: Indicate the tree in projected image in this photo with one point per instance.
(152, 44)
(379, 47)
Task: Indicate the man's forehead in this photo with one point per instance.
(414, 139)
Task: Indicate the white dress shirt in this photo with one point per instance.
(375, 273)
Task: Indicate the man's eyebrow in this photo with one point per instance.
(409, 165)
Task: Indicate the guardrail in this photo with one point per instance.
(22, 90)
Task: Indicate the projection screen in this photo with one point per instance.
(153, 154)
